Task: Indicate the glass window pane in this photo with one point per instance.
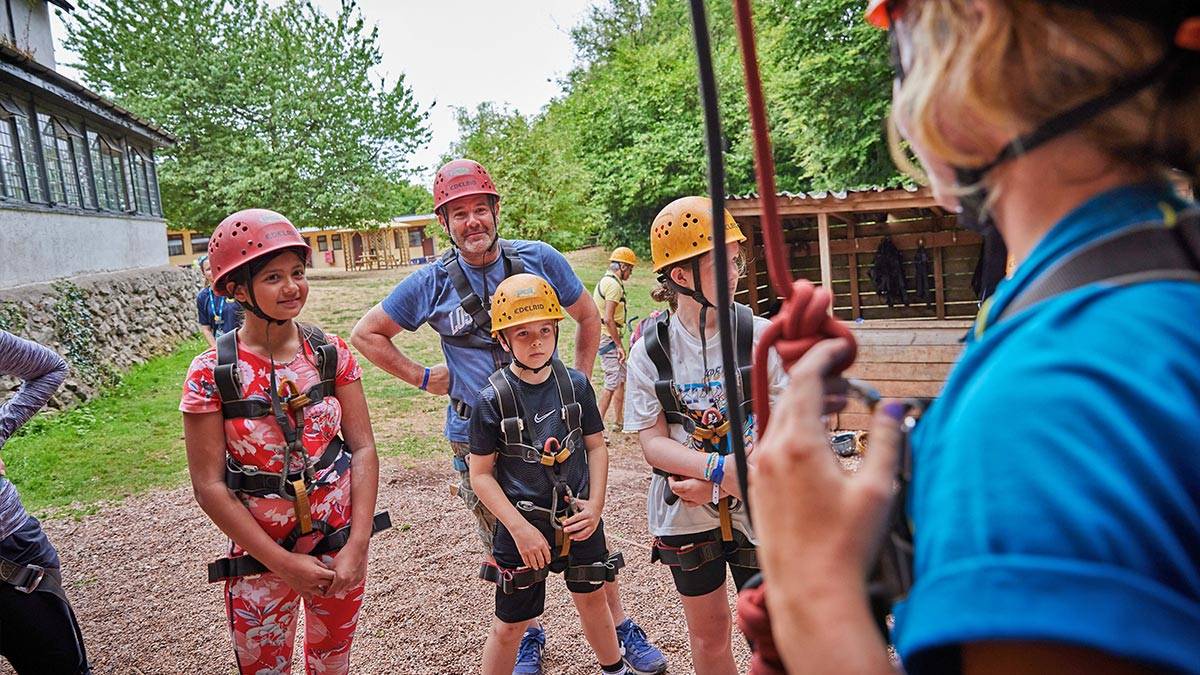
(199, 243)
(79, 154)
(50, 157)
(415, 237)
(9, 164)
(337, 242)
(174, 244)
(322, 243)
(29, 158)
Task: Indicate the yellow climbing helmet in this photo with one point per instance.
(623, 254)
(522, 299)
(683, 230)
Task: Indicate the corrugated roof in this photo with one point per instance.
(833, 194)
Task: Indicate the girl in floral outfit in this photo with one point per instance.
(258, 259)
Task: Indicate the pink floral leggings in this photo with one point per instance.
(262, 614)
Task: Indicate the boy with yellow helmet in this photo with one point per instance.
(610, 300)
(540, 464)
(675, 401)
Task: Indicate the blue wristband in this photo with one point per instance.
(718, 472)
(425, 380)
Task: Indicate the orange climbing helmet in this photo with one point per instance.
(521, 299)
(461, 178)
(248, 235)
(623, 254)
(683, 230)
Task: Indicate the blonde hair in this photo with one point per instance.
(1020, 63)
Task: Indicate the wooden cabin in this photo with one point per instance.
(904, 349)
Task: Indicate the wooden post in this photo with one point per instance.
(939, 281)
(823, 247)
(855, 301)
(752, 266)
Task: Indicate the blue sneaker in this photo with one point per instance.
(640, 655)
(529, 654)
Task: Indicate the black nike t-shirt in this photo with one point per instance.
(542, 405)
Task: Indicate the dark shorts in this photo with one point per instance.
(710, 576)
(38, 630)
(528, 603)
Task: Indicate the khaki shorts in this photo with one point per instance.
(614, 369)
(485, 522)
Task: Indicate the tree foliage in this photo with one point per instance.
(626, 136)
(272, 107)
(544, 194)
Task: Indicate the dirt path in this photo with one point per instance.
(135, 573)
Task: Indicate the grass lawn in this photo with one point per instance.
(130, 439)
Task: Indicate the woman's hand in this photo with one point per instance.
(585, 521)
(693, 491)
(349, 568)
(305, 574)
(815, 519)
(535, 551)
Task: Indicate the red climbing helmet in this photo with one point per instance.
(248, 235)
(459, 178)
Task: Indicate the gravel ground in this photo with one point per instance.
(135, 573)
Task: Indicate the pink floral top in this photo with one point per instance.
(260, 442)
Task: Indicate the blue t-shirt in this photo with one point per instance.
(428, 296)
(1056, 481)
(218, 313)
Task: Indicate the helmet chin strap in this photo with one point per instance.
(696, 294)
(974, 214)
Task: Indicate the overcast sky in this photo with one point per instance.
(461, 53)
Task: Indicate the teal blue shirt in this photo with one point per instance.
(1056, 481)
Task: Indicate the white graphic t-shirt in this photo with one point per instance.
(642, 409)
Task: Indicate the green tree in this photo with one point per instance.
(546, 195)
(272, 107)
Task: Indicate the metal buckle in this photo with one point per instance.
(39, 572)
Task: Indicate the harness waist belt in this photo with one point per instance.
(511, 580)
(26, 578)
(692, 557)
(247, 565)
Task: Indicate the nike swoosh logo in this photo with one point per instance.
(537, 419)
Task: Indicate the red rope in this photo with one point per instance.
(803, 320)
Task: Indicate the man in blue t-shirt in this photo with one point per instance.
(215, 314)
(452, 296)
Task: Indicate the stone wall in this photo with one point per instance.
(103, 323)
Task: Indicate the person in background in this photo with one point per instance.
(215, 313)
(38, 631)
(610, 301)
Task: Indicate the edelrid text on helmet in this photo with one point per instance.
(522, 299)
(461, 178)
(246, 236)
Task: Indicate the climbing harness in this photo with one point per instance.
(624, 306)
(510, 580)
(711, 429)
(517, 443)
(287, 406)
(737, 550)
(479, 335)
